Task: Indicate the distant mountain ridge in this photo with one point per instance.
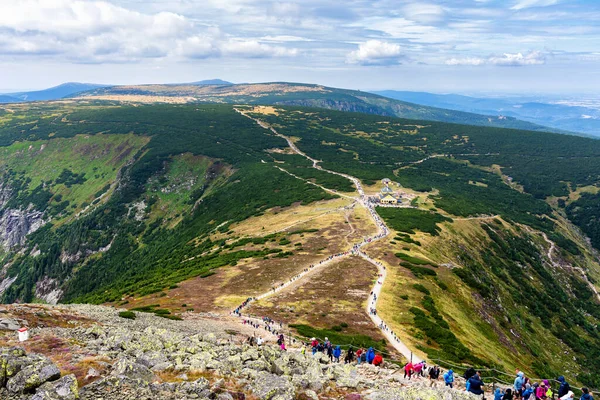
(300, 94)
(559, 116)
(56, 92)
(212, 82)
(8, 99)
(413, 105)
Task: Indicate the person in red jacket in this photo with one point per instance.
(378, 360)
(408, 370)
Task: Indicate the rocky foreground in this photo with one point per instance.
(89, 352)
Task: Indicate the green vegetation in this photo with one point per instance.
(437, 330)
(167, 253)
(409, 219)
(585, 213)
(127, 314)
(419, 272)
(414, 260)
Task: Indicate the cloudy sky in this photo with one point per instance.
(437, 45)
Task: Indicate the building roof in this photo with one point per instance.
(387, 189)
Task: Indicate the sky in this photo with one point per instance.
(460, 46)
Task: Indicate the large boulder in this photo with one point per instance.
(32, 376)
(267, 386)
(63, 389)
(134, 371)
(421, 393)
(10, 324)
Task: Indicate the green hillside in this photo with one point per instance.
(138, 199)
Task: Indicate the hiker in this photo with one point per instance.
(449, 378)
(359, 353)
(408, 370)
(303, 349)
(418, 367)
(370, 355)
(378, 360)
(498, 394)
(321, 348)
(282, 346)
(469, 373)
(541, 390)
(586, 394)
(363, 357)
(349, 356)
(314, 343)
(569, 396)
(434, 374)
(476, 384)
(564, 387)
(259, 341)
(518, 385)
(527, 392)
(508, 394)
(330, 352)
(337, 353)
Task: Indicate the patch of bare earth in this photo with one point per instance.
(328, 297)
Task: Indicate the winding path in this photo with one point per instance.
(356, 250)
(567, 265)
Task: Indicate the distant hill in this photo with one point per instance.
(299, 94)
(559, 116)
(8, 99)
(212, 82)
(55, 93)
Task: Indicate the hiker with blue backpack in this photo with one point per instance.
(337, 352)
(449, 378)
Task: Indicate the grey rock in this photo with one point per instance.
(63, 389)
(132, 370)
(268, 386)
(10, 324)
(92, 373)
(33, 376)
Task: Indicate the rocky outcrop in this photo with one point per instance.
(33, 376)
(49, 290)
(197, 358)
(16, 224)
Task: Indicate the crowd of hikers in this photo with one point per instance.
(523, 387)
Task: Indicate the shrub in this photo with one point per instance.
(127, 314)
(421, 288)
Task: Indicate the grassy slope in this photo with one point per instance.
(97, 158)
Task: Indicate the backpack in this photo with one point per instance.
(469, 373)
(363, 356)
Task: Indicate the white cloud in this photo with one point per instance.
(375, 52)
(424, 13)
(521, 4)
(465, 61)
(505, 60)
(518, 59)
(98, 31)
(254, 49)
